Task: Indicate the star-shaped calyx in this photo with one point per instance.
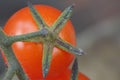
(48, 36)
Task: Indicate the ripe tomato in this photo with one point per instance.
(29, 54)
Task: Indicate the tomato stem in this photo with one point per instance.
(31, 37)
(68, 47)
(62, 19)
(9, 74)
(37, 17)
(74, 75)
(13, 65)
(46, 60)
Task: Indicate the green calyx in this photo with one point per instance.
(46, 35)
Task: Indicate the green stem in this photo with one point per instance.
(9, 74)
(37, 17)
(47, 56)
(68, 47)
(30, 37)
(62, 19)
(21, 75)
(74, 75)
(13, 63)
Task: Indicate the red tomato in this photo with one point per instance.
(29, 54)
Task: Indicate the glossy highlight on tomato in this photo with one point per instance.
(29, 54)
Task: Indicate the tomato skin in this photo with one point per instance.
(29, 54)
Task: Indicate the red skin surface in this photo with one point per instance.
(29, 54)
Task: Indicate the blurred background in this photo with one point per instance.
(97, 26)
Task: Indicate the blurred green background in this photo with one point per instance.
(97, 26)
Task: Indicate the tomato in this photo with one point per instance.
(29, 54)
